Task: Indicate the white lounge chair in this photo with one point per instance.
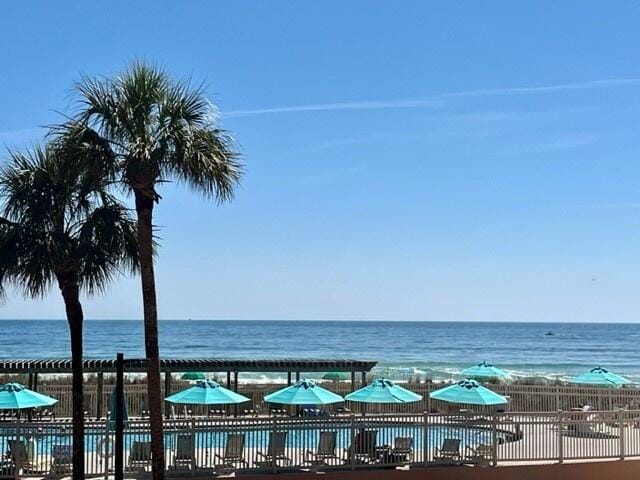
(325, 452)
(139, 456)
(449, 452)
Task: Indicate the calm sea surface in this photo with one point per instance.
(441, 350)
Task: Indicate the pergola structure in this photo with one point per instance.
(168, 366)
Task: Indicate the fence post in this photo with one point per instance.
(99, 388)
(558, 398)
(352, 462)
(425, 440)
(18, 459)
(119, 443)
(271, 450)
(494, 441)
(193, 445)
(107, 439)
(622, 433)
(560, 438)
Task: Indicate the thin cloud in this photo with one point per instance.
(435, 100)
(367, 105)
(570, 142)
(610, 83)
(604, 206)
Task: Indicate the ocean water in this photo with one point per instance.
(439, 349)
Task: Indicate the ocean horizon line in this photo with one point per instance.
(304, 320)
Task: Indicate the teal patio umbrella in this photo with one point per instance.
(468, 392)
(383, 391)
(335, 376)
(193, 376)
(600, 376)
(207, 392)
(303, 392)
(14, 396)
(484, 370)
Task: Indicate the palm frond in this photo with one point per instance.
(27, 259)
(58, 218)
(107, 243)
(206, 160)
(163, 129)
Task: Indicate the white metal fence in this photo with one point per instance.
(523, 398)
(259, 443)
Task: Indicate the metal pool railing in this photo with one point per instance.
(225, 444)
(523, 398)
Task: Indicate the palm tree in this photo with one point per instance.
(149, 129)
(58, 224)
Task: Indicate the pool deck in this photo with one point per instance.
(593, 470)
(541, 444)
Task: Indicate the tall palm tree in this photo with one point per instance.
(58, 224)
(150, 129)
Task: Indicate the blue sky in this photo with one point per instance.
(411, 161)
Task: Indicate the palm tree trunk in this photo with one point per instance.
(71, 295)
(144, 209)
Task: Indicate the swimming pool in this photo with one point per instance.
(258, 436)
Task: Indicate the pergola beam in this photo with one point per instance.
(52, 366)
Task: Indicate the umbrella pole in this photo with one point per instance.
(235, 389)
(289, 384)
(167, 392)
(297, 407)
(363, 407)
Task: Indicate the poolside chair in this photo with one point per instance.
(403, 447)
(449, 452)
(481, 455)
(139, 456)
(185, 450)
(61, 460)
(326, 450)
(275, 450)
(363, 448)
(233, 451)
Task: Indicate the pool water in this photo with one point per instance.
(46, 437)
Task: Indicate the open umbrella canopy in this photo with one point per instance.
(335, 376)
(383, 391)
(303, 392)
(14, 396)
(601, 376)
(468, 392)
(193, 376)
(484, 370)
(206, 392)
